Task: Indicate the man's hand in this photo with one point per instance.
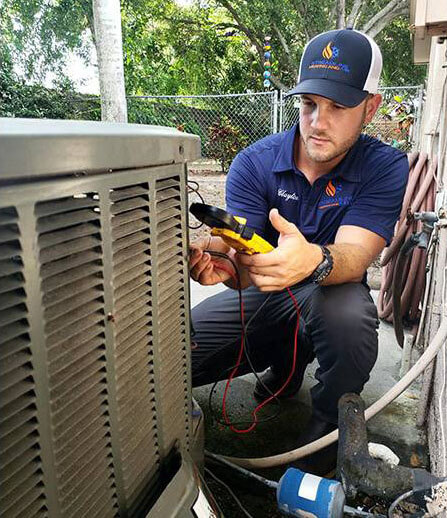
(204, 268)
(293, 260)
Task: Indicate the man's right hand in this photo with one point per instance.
(204, 268)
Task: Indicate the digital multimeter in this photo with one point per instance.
(232, 229)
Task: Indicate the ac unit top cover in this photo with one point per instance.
(44, 147)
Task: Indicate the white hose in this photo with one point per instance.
(290, 456)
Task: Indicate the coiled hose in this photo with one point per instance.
(419, 197)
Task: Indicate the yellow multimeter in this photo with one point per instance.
(232, 229)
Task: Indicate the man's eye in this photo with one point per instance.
(339, 107)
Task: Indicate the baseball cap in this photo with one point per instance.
(343, 65)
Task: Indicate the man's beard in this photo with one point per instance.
(342, 148)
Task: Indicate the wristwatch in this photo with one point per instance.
(324, 268)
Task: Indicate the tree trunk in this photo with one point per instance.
(340, 10)
(109, 47)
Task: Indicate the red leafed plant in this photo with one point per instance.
(225, 141)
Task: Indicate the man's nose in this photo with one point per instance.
(319, 118)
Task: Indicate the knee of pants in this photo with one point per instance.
(352, 335)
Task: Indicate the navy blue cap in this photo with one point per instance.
(342, 65)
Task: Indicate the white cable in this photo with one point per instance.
(442, 390)
(442, 143)
(427, 291)
(290, 456)
(398, 500)
(442, 412)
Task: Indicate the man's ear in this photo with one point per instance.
(372, 105)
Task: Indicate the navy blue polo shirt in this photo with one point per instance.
(365, 189)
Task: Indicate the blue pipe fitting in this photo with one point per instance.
(308, 496)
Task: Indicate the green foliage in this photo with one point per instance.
(179, 50)
(395, 121)
(18, 99)
(225, 142)
(39, 33)
(209, 47)
(398, 68)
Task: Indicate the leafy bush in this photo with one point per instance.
(225, 142)
(19, 99)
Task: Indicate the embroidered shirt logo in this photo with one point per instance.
(333, 196)
(287, 195)
(330, 189)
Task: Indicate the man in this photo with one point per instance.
(327, 197)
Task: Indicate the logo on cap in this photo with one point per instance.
(329, 51)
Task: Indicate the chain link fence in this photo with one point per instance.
(245, 117)
(397, 121)
(237, 120)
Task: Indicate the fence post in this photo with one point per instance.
(281, 107)
(417, 132)
(275, 112)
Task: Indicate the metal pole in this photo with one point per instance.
(281, 107)
(417, 131)
(275, 112)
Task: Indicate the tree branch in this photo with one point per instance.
(301, 9)
(226, 26)
(199, 23)
(382, 23)
(284, 45)
(355, 12)
(248, 32)
(253, 40)
(91, 25)
(387, 11)
(340, 10)
(276, 82)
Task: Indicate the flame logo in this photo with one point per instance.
(327, 51)
(330, 189)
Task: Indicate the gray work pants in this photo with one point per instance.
(338, 326)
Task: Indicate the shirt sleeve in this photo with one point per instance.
(246, 193)
(378, 204)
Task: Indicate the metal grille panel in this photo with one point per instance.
(133, 338)
(171, 311)
(94, 365)
(21, 480)
(70, 256)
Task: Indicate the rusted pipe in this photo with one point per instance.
(358, 471)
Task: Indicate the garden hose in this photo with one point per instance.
(419, 197)
(293, 455)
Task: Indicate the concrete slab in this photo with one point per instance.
(394, 427)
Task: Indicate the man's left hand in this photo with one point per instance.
(293, 260)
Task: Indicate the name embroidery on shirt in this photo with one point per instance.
(287, 195)
(333, 196)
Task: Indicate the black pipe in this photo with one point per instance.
(358, 471)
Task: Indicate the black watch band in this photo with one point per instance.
(325, 267)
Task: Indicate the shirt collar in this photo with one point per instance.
(348, 168)
(284, 159)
